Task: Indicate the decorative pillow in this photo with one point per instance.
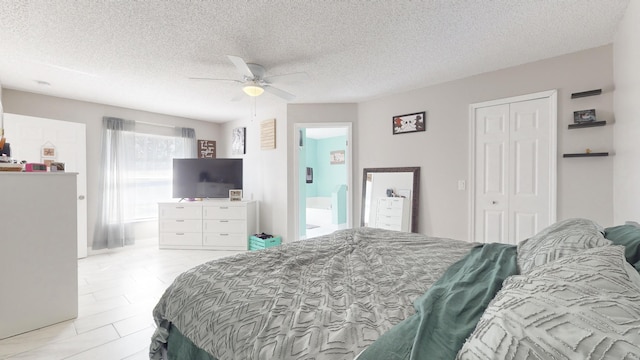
(560, 239)
(629, 237)
(583, 306)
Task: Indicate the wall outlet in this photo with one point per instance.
(461, 185)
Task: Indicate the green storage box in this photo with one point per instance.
(256, 243)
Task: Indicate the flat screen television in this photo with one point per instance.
(206, 178)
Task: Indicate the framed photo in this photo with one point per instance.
(408, 123)
(336, 157)
(584, 116)
(49, 152)
(235, 195)
(56, 166)
(237, 144)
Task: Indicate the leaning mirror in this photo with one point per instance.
(390, 198)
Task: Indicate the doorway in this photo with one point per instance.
(323, 178)
(39, 140)
(513, 167)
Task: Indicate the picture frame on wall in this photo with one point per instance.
(408, 123)
(336, 157)
(49, 152)
(238, 141)
(206, 149)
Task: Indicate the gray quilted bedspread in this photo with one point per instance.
(325, 298)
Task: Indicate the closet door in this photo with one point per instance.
(529, 169)
(514, 170)
(491, 169)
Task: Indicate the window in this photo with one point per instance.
(153, 174)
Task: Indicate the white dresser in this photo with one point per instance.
(209, 224)
(393, 213)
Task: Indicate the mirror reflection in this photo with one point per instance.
(390, 198)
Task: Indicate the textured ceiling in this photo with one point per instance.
(140, 54)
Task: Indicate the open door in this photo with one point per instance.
(323, 178)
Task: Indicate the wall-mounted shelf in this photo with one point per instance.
(587, 124)
(585, 154)
(586, 93)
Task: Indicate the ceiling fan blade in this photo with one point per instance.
(280, 93)
(242, 66)
(289, 78)
(212, 79)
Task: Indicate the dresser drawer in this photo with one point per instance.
(388, 226)
(176, 211)
(224, 226)
(225, 240)
(385, 219)
(225, 212)
(388, 211)
(391, 203)
(191, 239)
(179, 225)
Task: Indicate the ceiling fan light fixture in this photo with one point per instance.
(253, 90)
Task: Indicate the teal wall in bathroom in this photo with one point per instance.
(326, 176)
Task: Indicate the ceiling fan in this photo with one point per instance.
(254, 83)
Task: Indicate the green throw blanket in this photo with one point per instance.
(449, 311)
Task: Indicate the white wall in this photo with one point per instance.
(584, 184)
(265, 171)
(91, 114)
(626, 59)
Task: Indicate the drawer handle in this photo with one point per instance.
(224, 221)
(180, 234)
(179, 220)
(224, 234)
(224, 207)
(179, 207)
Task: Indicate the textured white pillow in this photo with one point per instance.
(560, 239)
(583, 306)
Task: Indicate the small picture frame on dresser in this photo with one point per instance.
(235, 195)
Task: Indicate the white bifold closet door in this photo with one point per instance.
(514, 174)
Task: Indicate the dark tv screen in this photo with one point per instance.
(206, 178)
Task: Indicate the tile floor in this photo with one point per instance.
(117, 292)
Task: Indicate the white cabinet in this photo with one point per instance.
(210, 224)
(38, 251)
(228, 226)
(392, 213)
(180, 225)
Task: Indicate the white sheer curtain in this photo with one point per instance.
(188, 137)
(118, 196)
(136, 175)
